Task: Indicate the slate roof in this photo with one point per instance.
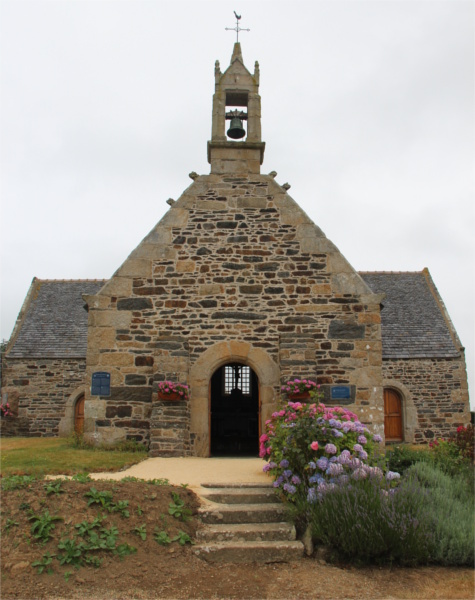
(414, 321)
(415, 324)
(53, 320)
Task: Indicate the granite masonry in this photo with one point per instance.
(236, 279)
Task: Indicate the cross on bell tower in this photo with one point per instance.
(237, 99)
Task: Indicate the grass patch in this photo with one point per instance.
(56, 456)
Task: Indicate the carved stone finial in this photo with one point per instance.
(193, 175)
(170, 201)
(273, 174)
(217, 70)
(286, 186)
(256, 71)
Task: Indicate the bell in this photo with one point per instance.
(236, 130)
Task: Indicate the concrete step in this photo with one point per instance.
(242, 513)
(231, 495)
(239, 486)
(255, 532)
(249, 552)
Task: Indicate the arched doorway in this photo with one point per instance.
(392, 416)
(234, 411)
(79, 415)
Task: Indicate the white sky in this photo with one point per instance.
(367, 111)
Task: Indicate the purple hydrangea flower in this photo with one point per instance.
(284, 463)
(266, 468)
(377, 438)
(336, 433)
(362, 439)
(312, 465)
(330, 449)
(295, 480)
(287, 473)
(363, 455)
(272, 464)
(391, 475)
(289, 488)
(322, 463)
(358, 448)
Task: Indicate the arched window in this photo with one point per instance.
(393, 416)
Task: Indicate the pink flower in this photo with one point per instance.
(263, 438)
(314, 446)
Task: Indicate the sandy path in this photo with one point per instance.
(195, 471)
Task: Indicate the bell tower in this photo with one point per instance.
(236, 145)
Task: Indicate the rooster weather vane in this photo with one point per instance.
(237, 29)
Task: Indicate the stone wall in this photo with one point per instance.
(434, 393)
(234, 261)
(40, 390)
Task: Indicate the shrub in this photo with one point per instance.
(450, 506)
(400, 458)
(464, 440)
(312, 448)
(364, 523)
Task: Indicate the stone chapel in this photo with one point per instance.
(233, 292)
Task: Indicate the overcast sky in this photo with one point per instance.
(367, 111)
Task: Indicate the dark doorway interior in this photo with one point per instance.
(234, 411)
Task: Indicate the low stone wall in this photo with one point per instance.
(435, 395)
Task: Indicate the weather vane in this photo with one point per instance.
(237, 29)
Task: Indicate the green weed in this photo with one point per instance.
(43, 525)
(53, 487)
(178, 509)
(141, 531)
(44, 563)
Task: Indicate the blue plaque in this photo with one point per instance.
(101, 384)
(340, 392)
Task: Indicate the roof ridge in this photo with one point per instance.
(391, 272)
(69, 280)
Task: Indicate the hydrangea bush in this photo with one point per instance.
(311, 449)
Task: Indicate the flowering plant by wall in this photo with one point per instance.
(298, 386)
(5, 409)
(170, 388)
(312, 449)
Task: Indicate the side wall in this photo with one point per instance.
(434, 393)
(41, 390)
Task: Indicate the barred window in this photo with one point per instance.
(237, 376)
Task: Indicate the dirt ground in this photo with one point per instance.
(172, 571)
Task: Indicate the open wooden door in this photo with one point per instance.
(392, 416)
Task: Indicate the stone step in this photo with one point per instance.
(242, 513)
(255, 532)
(231, 495)
(249, 552)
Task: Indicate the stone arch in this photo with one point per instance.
(201, 372)
(66, 425)
(409, 412)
